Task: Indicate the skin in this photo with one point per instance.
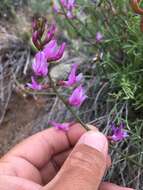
(42, 162)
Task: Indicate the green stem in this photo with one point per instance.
(66, 104)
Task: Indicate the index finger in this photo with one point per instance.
(39, 148)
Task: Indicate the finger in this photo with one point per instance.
(111, 186)
(38, 149)
(93, 128)
(49, 171)
(33, 153)
(16, 183)
(85, 166)
(108, 161)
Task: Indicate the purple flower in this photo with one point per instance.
(56, 7)
(70, 15)
(99, 37)
(61, 126)
(34, 85)
(35, 37)
(53, 52)
(73, 78)
(40, 65)
(78, 97)
(69, 5)
(118, 132)
(50, 33)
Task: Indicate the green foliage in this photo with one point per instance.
(122, 46)
(40, 6)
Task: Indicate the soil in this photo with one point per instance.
(17, 123)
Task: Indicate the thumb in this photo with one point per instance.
(86, 165)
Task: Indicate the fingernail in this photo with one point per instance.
(96, 140)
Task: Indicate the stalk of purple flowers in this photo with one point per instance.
(50, 51)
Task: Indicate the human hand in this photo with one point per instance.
(42, 162)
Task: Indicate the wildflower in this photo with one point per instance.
(69, 5)
(50, 33)
(52, 52)
(99, 37)
(40, 65)
(73, 78)
(56, 7)
(118, 133)
(61, 126)
(34, 85)
(78, 97)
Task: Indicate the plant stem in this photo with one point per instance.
(66, 104)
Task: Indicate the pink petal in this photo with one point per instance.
(40, 66)
(77, 97)
(60, 126)
(34, 85)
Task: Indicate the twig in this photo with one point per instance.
(27, 64)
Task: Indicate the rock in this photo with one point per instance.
(61, 70)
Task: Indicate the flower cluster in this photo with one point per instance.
(118, 132)
(78, 95)
(67, 5)
(48, 51)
